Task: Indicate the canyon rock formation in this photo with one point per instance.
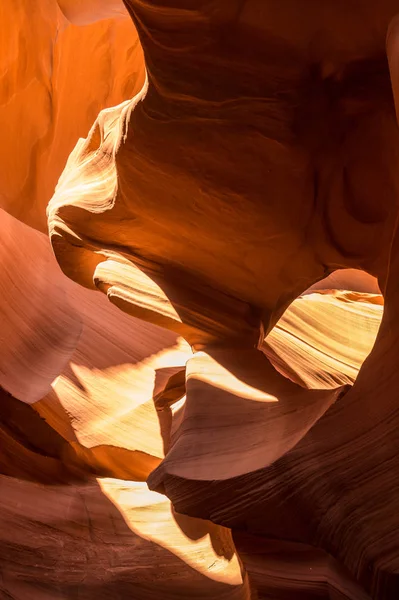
(199, 264)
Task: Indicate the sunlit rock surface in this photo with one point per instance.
(221, 421)
(56, 76)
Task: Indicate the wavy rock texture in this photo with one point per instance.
(291, 570)
(237, 369)
(107, 415)
(52, 91)
(109, 539)
(308, 347)
(40, 329)
(82, 389)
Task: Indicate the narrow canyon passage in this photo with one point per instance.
(198, 269)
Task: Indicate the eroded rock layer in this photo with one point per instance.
(109, 539)
(236, 202)
(56, 76)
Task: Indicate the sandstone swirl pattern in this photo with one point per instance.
(222, 421)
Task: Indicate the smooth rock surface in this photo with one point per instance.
(235, 199)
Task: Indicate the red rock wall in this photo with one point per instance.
(236, 205)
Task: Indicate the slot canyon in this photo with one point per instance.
(199, 274)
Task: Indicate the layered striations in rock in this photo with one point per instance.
(235, 201)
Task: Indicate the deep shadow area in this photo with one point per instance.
(171, 392)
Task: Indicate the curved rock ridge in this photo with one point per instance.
(116, 407)
(108, 415)
(177, 210)
(311, 494)
(137, 285)
(236, 201)
(122, 381)
(261, 158)
(234, 393)
(52, 92)
(91, 372)
(39, 329)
